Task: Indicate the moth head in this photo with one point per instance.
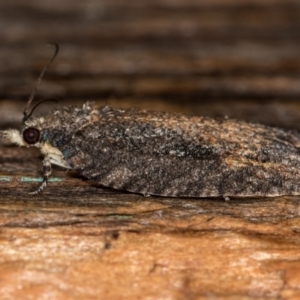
(30, 134)
(28, 137)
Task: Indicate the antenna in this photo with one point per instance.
(31, 97)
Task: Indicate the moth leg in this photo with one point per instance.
(46, 174)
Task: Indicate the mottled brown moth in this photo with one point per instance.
(165, 154)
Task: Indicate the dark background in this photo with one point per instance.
(210, 57)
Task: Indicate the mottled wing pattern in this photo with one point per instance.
(173, 155)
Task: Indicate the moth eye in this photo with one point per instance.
(31, 135)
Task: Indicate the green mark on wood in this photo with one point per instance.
(30, 179)
(5, 178)
(39, 179)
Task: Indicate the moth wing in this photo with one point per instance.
(231, 159)
(130, 159)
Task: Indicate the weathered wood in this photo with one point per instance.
(77, 240)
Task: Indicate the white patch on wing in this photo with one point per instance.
(55, 155)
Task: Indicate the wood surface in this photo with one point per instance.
(77, 240)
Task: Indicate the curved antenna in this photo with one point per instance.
(25, 118)
(26, 115)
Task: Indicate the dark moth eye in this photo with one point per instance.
(31, 135)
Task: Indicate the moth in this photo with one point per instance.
(160, 153)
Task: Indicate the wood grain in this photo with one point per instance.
(80, 241)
